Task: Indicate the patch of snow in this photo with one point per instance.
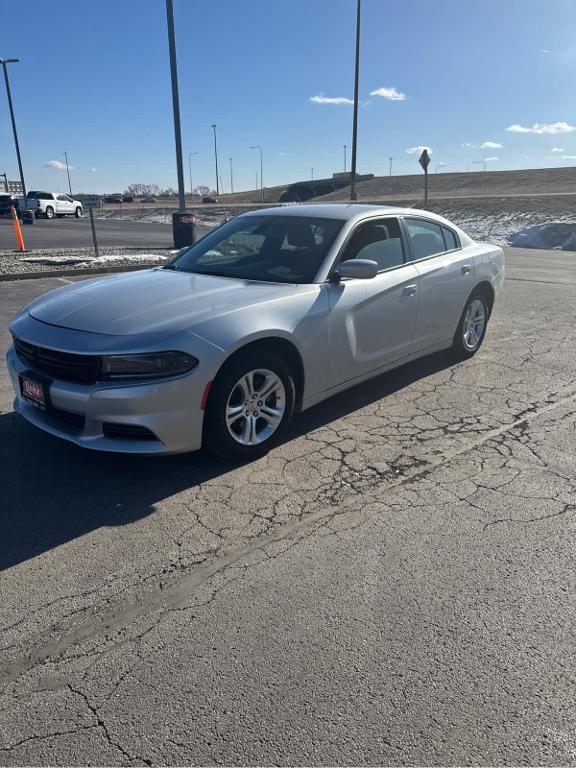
(145, 258)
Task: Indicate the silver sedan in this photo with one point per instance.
(267, 315)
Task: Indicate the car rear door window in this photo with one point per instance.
(426, 238)
(380, 241)
(452, 242)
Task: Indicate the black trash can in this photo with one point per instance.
(28, 217)
(183, 225)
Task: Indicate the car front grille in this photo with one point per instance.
(58, 365)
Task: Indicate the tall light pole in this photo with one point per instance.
(231, 176)
(216, 158)
(261, 176)
(439, 165)
(390, 171)
(480, 162)
(345, 158)
(353, 195)
(68, 174)
(312, 172)
(190, 169)
(4, 62)
(175, 104)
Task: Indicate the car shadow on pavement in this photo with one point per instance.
(53, 491)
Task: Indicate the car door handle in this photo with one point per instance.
(466, 269)
(410, 290)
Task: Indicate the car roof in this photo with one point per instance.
(342, 211)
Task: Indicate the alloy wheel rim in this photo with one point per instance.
(255, 407)
(474, 324)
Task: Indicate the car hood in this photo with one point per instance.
(149, 301)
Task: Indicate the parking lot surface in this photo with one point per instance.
(394, 584)
(77, 233)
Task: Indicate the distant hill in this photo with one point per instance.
(536, 181)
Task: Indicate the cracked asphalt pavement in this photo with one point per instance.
(394, 584)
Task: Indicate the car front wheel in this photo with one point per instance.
(250, 405)
(78, 212)
(472, 326)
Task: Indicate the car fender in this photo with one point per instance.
(302, 320)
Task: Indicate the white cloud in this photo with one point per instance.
(321, 99)
(550, 128)
(417, 150)
(545, 50)
(491, 145)
(57, 165)
(390, 93)
(557, 149)
(568, 157)
(93, 170)
(468, 145)
(490, 159)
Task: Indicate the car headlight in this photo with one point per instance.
(151, 365)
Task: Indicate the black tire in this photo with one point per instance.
(461, 348)
(217, 437)
(78, 212)
(49, 212)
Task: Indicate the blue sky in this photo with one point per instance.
(95, 81)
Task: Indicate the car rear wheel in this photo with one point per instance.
(250, 405)
(49, 212)
(78, 212)
(472, 326)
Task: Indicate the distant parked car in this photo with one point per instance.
(6, 202)
(127, 199)
(113, 199)
(148, 199)
(207, 200)
(51, 204)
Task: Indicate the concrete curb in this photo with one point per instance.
(13, 276)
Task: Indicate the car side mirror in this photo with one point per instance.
(361, 269)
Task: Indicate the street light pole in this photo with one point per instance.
(175, 103)
(345, 158)
(231, 176)
(480, 162)
(355, 118)
(68, 174)
(390, 172)
(216, 158)
(261, 175)
(4, 62)
(190, 170)
(312, 171)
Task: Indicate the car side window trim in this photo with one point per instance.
(442, 228)
(370, 220)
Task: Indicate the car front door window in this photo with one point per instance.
(379, 241)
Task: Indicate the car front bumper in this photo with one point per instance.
(170, 410)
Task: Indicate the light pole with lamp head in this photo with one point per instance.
(68, 174)
(4, 62)
(213, 126)
(353, 195)
(257, 146)
(190, 170)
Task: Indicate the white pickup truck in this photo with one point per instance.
(50, 204)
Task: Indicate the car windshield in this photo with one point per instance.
(279, 249)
